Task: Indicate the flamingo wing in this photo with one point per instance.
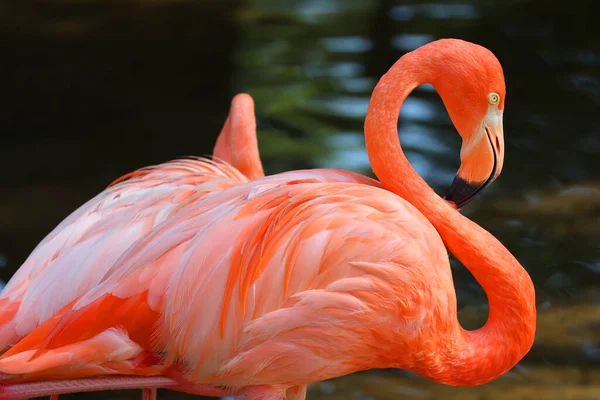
(78, 253)
(246, 282)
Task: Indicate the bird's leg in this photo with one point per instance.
(149, 394)
(47, 388)
(54, 397)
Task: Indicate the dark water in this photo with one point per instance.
(91, 90)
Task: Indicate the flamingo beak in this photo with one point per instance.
(482, 158)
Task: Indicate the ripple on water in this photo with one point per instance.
(348, 151)
(335, 70)
(347, 106)
(347, 44)
(410, 41)
(434, 11)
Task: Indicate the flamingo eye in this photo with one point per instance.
(494, 98)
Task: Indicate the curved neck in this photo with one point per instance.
(470, 357)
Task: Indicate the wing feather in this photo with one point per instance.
(87, 244)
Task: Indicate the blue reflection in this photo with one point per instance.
(425, 88)
(428, 170)
(347, 152)
(355, 107)
(403, 13)
(348, 44)
(341, 69)
(418, 109)
(447, 11)
(313, 8)
(434, 11)
(410, 41)
(357, 85)
(419, 137)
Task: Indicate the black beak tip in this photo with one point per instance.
(462, 192)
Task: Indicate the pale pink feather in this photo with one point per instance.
(85, 246)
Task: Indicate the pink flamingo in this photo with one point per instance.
(259, 288)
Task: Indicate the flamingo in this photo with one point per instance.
(257, 289)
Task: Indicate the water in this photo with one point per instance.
(92, 90)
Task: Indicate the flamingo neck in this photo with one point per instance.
(467, 357)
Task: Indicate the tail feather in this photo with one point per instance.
(99, 355)
(8, 335)
(70, 326)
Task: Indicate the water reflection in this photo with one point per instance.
(347, 152)
(348, 44)
(410, 41)
(351, 107)
(434, 11)
(98, 110)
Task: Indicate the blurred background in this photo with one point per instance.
(93, 89)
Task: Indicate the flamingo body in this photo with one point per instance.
(308, 238)
(210, 283)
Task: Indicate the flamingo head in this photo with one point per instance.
(470, 81)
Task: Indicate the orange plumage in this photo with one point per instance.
(193, 277)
